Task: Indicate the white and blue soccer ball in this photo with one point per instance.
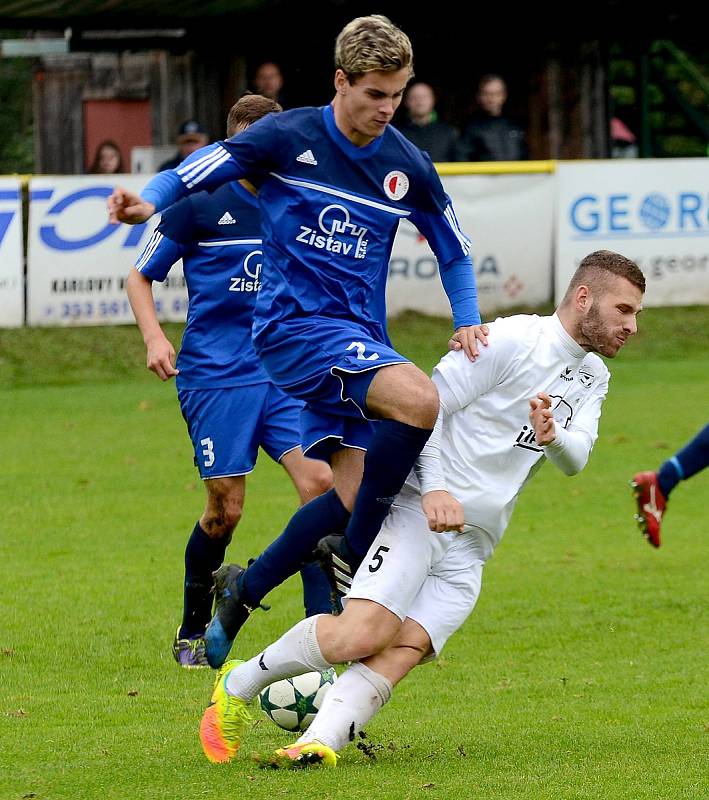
(292, 703)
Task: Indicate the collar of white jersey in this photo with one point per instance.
(567, 342)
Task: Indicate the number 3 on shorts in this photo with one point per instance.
(377, 558)
(208, 451)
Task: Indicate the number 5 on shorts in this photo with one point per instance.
(377, 558)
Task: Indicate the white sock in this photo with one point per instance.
(296, 652)
(352, 701)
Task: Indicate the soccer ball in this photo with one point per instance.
(292, 703)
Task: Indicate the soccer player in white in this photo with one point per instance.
(534, 393)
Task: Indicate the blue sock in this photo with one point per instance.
(691, 459)
(294, 547)
(202, 556)
(316, 590)
(390, 457)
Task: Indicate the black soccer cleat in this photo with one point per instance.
(338, 562)
(230, 613)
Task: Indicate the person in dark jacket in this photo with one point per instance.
(191, 136)
(424, 129)
(489, 135)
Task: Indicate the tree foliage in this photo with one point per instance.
(16, 142)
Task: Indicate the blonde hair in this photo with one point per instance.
(372, 43)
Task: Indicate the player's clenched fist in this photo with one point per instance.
(443, 512)
(125, 206)
(541, 418)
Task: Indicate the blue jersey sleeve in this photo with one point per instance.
(452, 250)
(256, 149)
(443, 233)
(209, 167)
(458, 280)
(169, 242)
(163, 190)
(206, 168)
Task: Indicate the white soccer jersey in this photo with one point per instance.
(487, 447)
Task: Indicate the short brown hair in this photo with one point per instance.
(372, 43)
(248, 109)
(596, 266)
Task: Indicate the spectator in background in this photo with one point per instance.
(190, 137)
(489, 135)
(108, 159)
(424, 129)
(623, 141)
(268, 81)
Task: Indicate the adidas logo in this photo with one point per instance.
(342, 572)
(227, 219)
(307, 158)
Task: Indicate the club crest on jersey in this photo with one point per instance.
(396, 185)
(586, 377)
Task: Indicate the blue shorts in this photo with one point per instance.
(322, 434)
(328, 364)
(227, 426)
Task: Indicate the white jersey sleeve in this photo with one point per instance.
(572, 446)
(428, 468)
(461, 381)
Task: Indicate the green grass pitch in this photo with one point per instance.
(582, 673)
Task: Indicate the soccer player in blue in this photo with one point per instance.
(227, 399)
(334, 182)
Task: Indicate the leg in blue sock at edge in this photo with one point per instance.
(692, 458)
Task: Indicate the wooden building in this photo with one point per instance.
(137, 70)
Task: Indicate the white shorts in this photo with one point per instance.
(433, 578)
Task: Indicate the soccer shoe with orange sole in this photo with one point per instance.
(224, 721)
(307, 754)
(651, 505)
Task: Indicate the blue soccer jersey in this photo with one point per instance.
(330, 211)
(218, 238)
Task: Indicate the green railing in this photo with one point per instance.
(654, 71)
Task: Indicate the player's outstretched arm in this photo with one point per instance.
(160, 352)
(204, 169)
(452, 250)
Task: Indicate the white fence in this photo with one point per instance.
(529, 232)
(11, 256)
(77, 262)
(655, 212)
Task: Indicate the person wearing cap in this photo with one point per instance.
(191, 136)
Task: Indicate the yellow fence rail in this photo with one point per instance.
(496, 167)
